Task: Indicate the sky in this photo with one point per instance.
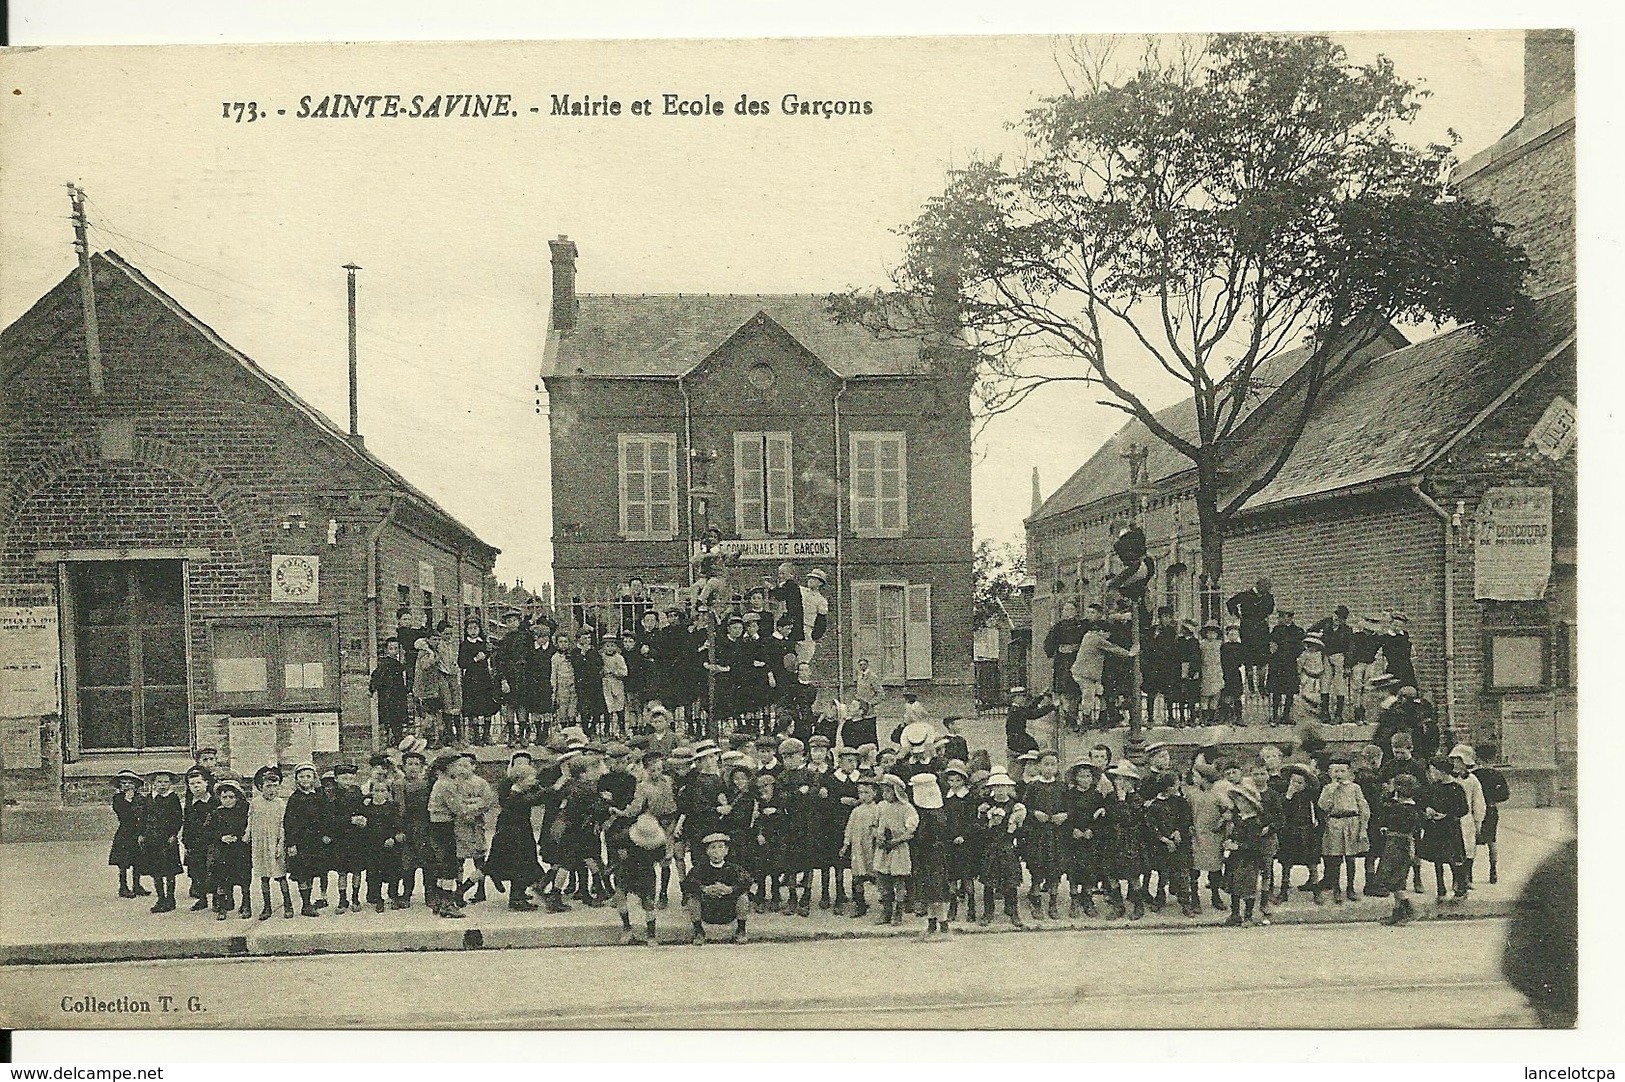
(249, 224)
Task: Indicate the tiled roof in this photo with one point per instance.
(1401, 408)
(25, 339)
(668, 334)
(1105, 473)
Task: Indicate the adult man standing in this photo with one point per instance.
(1061, 645)
(1252, 607)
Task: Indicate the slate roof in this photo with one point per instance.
(37, 328)
(1105, 473)
(669, 334)
(1400, 409)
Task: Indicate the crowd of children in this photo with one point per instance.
(923, 827)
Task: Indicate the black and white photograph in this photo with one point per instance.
(1034, 532)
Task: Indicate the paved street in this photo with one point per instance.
(1433, 974)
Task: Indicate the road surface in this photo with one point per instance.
(1430, 974)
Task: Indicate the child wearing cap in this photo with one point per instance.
(229, 858)
(858, 842)
(1245, 832)
(1300, 831)
(1496, 792)
(267, 838)
(1348, 819)
(307, 827)
(347, 818)
(413, 804)
(1444, 803)
(798, 805)
(1233, 659)
(125, 854)
(1462, 761)
(195, 828)
(827, 823)
(1085, 808)
(1169, 829)
(1001, 819)
(1122, 849)
(658, 793)
(716, 891)
(964, 839)
(161, 820)
(769, 842)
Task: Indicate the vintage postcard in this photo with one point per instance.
(1049, 532)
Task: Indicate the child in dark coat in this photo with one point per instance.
(1300, 831)
(161, 822)
(305, 828)
(347, 814)
(379, 844)
(964, 840)
(1169, 828)
(1444, 802)
(128, 805)
(230, 859)
(195, 836)
(1400, 821)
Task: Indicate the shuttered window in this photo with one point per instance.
(648, 486)
(891, 627)
(764, 492)
(879, 484)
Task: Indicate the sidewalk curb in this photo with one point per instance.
(467, 936)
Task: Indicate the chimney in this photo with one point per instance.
(564, 283)
(1038, 499)
(1548, 68)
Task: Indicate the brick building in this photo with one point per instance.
(194, 555)
(1412, 474)
(824, 445)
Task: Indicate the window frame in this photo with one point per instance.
(1543, 634)
(854, 501)
(754, 528)
(649, 440)
(275, 698)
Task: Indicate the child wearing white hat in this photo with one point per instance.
(1001, 819)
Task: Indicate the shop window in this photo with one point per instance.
(275, 663)
(129, 628)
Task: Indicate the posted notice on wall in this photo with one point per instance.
(29, 662)
(1529, 731)
(1512, 544)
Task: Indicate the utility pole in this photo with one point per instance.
(702, 492)
(87, 289)
(1135, 455)
(355, 426)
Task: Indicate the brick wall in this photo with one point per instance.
(1372, 554)
(216, 460)
(1532, 189)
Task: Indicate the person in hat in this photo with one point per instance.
(380, 839)
(870, 691)
(587, 663)
(1252, 608)
(431, 691)
(391, 683)
(1001, 818)
(440, 874)
(1286, 645)
(1080, 835)
(1210, 671)
(837, 793)
(1300, 830)
(161, 820)
(1496, 792)
(928, 852)
(1061, 646)
(267, 838)
(1045, 798)
(697, 798)
(858, 840)
(229, 859)
(799, 805)
(1363, 648)
(1208, 809)
(630, 866)
(1392, 712)
(1245, 831)
(717, 891)
(894, 829)
(1462, 761)
(476, 681)
(347, 820)
(657, 792)
(1122, 843)
(1396, 650)
(1348, 819)
(195, 831)
(508, 672)
(1312, 671)
(1233, 659)
(1188, 681)
(1169, 836)
(1444, 804)
(1335, 635)
(1401, 823)
(1022, 711)
(1159, 667)
(308, 838)
(612, 683)
(129, 803)
(512, 860)
(412, 801)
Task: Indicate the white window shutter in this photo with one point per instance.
(663, 487)
(748, 483)
(918, 642)
(780, 483)
(866, 641)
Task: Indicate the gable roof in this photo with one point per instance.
(666, 335)
(42, 324)
(1404, 407)
(1105, 474)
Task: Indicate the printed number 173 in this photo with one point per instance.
(243, 112)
